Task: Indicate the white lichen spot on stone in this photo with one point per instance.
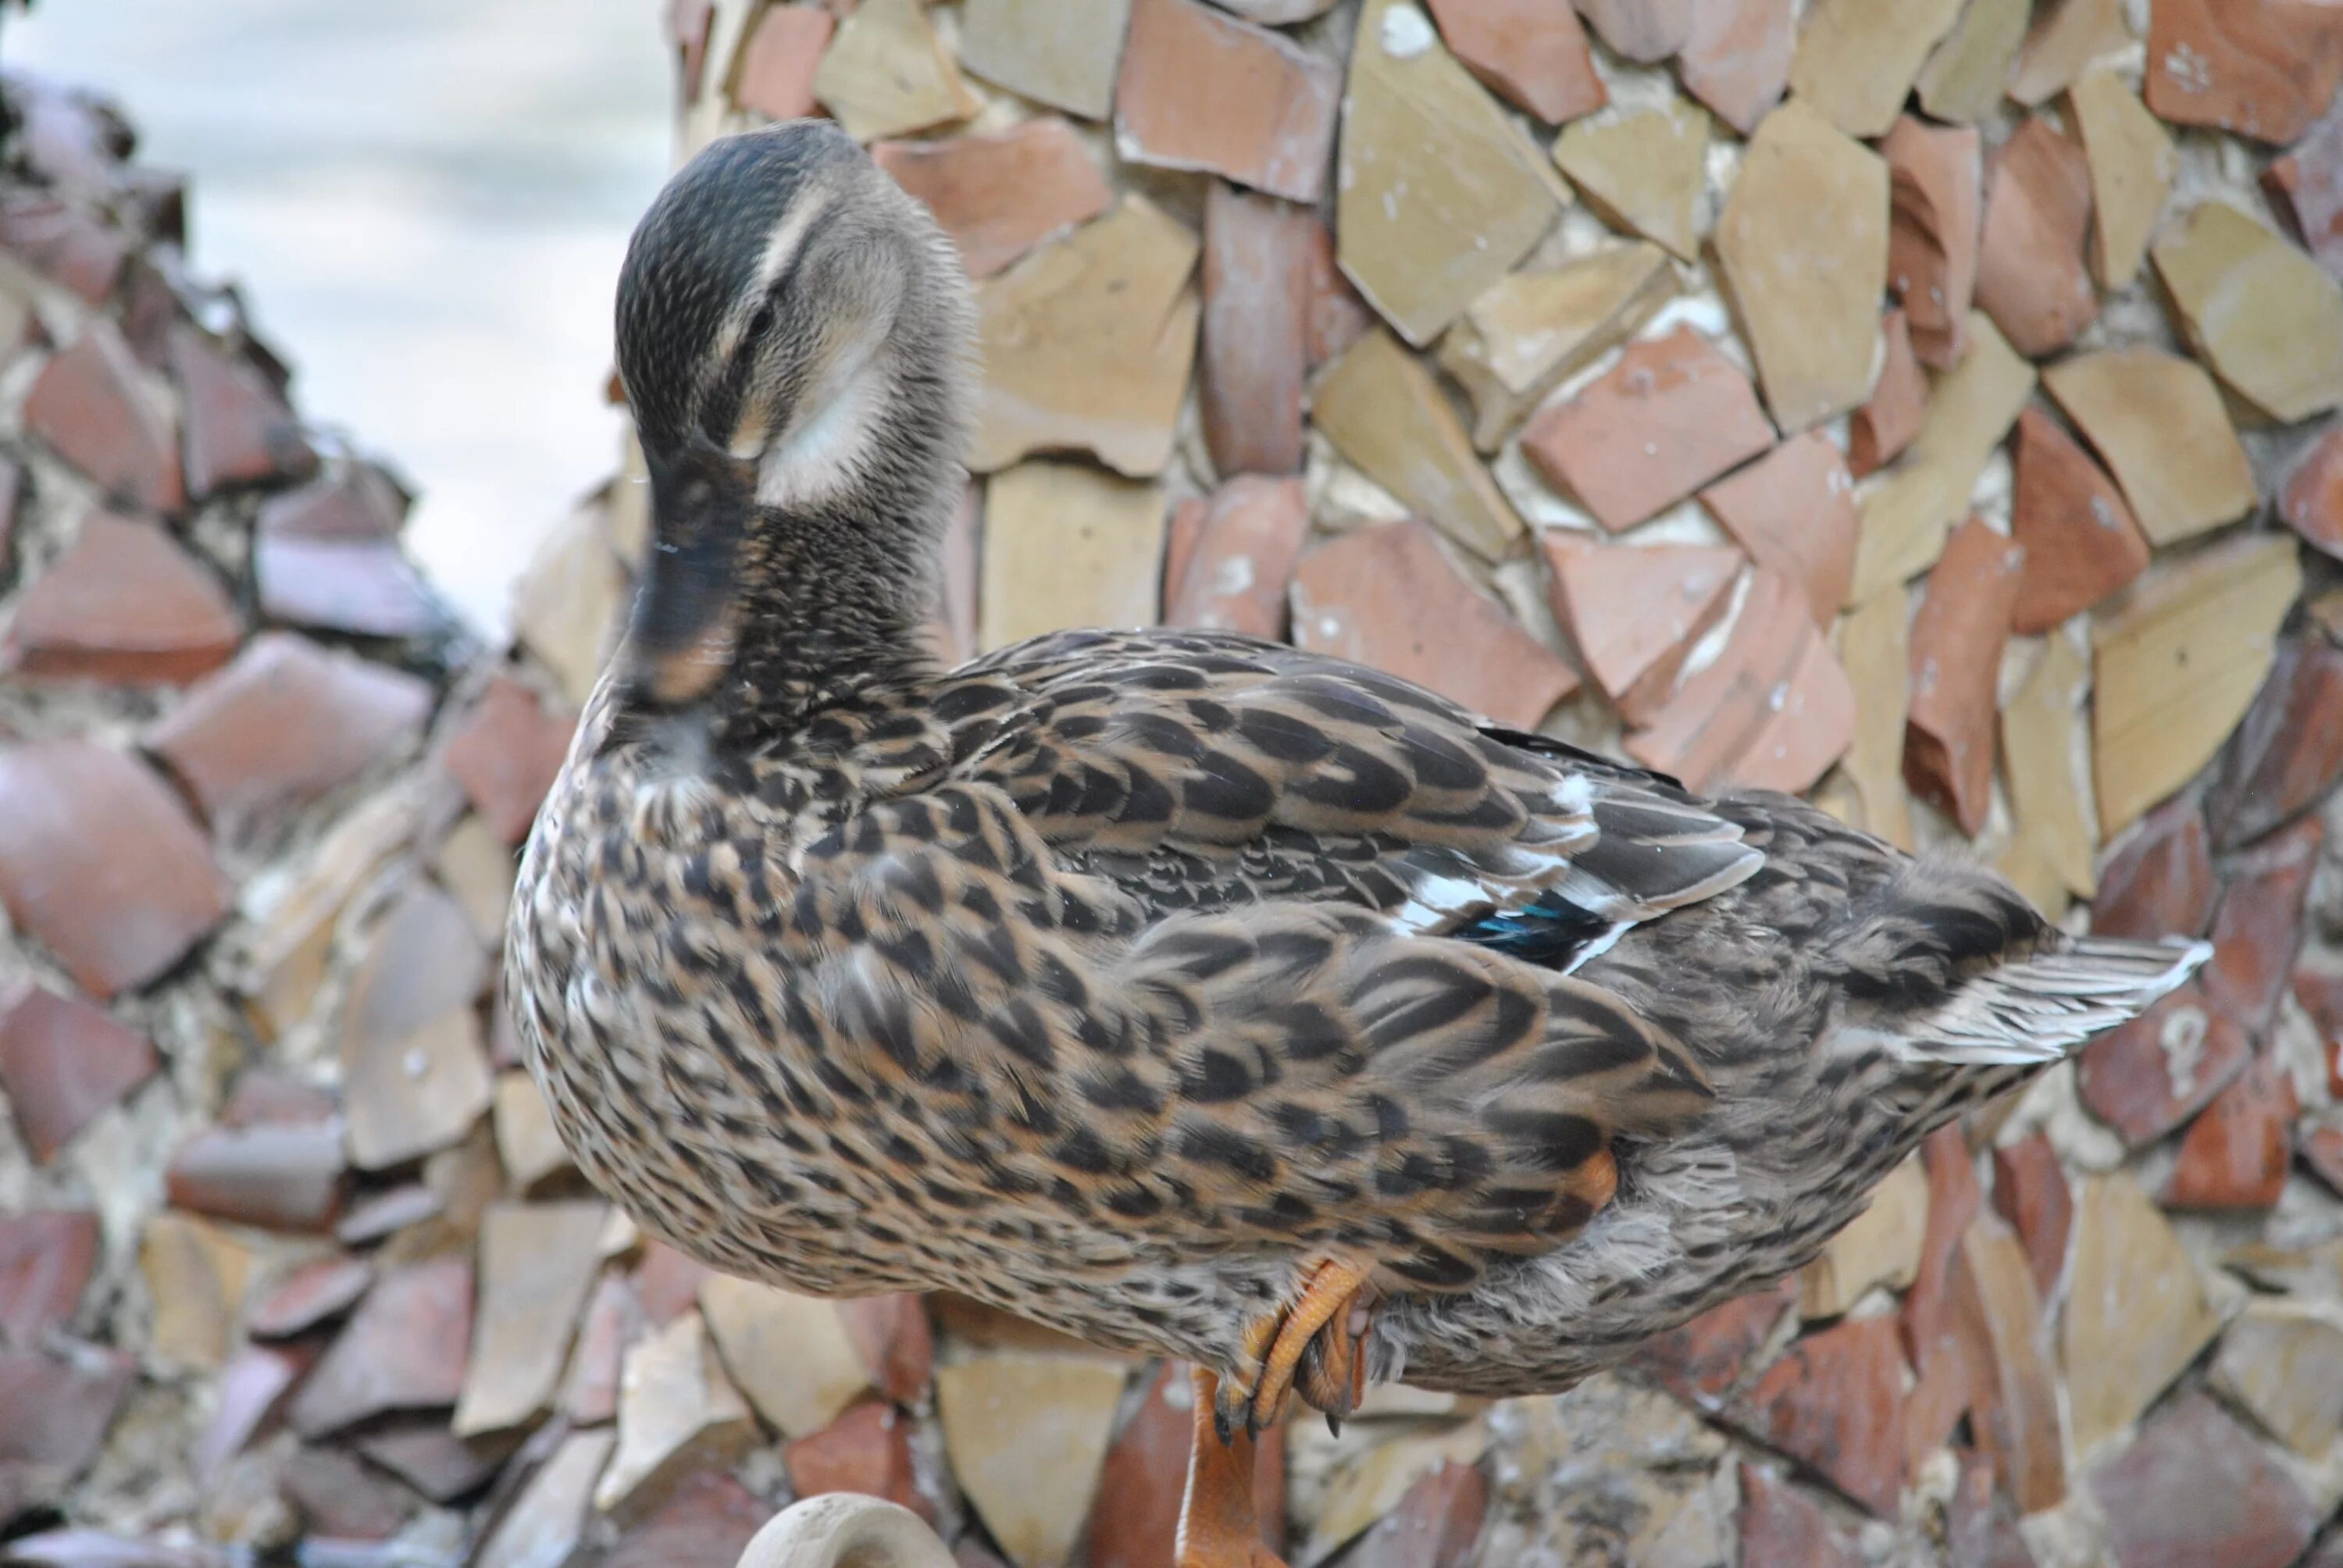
(1407, 32)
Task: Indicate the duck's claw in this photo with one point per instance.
(1312, 1343)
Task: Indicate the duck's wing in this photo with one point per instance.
(1202, 771)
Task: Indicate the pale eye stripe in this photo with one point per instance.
(781, 247)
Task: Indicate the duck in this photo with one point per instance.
(1192, 994)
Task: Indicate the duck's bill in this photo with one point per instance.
(680, 643)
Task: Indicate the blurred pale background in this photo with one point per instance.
(427, 203)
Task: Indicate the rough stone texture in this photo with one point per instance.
(1736, 58)
(1381, 406)
(1835, 1402)
(2262, 68)
(1878, 432)
(2132, 167)
(125, 604)
(91, 408)
(1254, 346)
(1646, 172)
(774, 72)
(2081, 541)
(1794, 510)
(1201, 90)
(1956, 643)
(2136, 1310)
(1857, 59)
(62, 1061)
(1000, 195)
(1633, 612)
(2262, 313)
(2282, 757)
(2196, 1488)
(1530, 53)
(507, 753)
(1934, 177)
(2031, 277)
(1536, 328)
(1236, 571)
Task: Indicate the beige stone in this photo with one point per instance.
(1384, 411)
(2267, 317)
(1060, 52)
(1907, 515)
(1881, 1246)
(2135, 1309)
(2175, 663)
(2156, 421)
(1647, 31)
(528, 1146)
(1067, 545)
(677, 1412)
(2132, 166)
(547, 1519)
(887, 74)
(419, 1095)
(478, 867)
(791, 1354)
(1373, 1470)
(1874, 646)
(1645, 171)
(1856, 59)
(2283, 1361)
(1964, 77)
(566, 604)
(536, 1264)
(2067, 35)
(1438, 192)
(1804, 242)
(1534, 329)
(2039, 750)
(197, 1274)
(1026, 1435)
(1087, 343)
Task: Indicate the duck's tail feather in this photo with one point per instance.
(2039, 1008)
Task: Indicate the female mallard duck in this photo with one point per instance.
(1187, 992)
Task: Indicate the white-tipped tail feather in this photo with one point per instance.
(2040, 1010)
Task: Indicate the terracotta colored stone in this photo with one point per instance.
(1715, 718)
(1939, 1399)
(90, 406)
(1736, 58)
(1807, 723)
(1236, 572)
(278, 1176)
(1201, 90)
(2146, 1077)
(2236, 1153)
(101, 864)
(1062, 52)
(2262, 68)
(56, 1406)
(309, 1294)
(251, 1387)
(126, 604)
(1384, 410)
(405, 1349)
(63, 245)
(62, 1061)
(1254, 349)
(666, 1282)
(1647, 31)
(1337, 316)
(47, 1257)
(1146, 1472)
(2030, 1191)
(1701, 1361)
(2031, 277)
(413, 1076)
(507, 753)
(1803, 240)
(1781, 1527)
(867, 1450)
(353, 501)
(2305, 187)
(285, 723)
(1835, 1402)
(1957, 639)
(1880, 430)
(2321, 1148)
(708, 1518)
(2313, 503)
(2285, 756)
(1953, 1202)
(1672, 414)
(2159, 882)
(339, 1498)
(2081, 542)
(2014, 1393)
(238, 429)
(1436, 1524)
(1530, 53)
(613, 1320)
(773, 73)
(999, 194)
(2258, 927)
(1537, 327)
(1634, 611)
(1794, 510)
(2197, 1488)
(896, 1342)
(1935, 175)
(359, 585)
(1385, 596)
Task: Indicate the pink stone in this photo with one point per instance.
(774, 73)
(246, 1396)
(666, 1282)
(406, 1349)
(47, 1257)
(1953, 1201)
(63, 245)
(1957, 639)
(1936, 174)
(1880, 430)
(364, 587)
(2258, 928)
(311, 1294)
(239, 431)
(2030, 1191)
(1794, 510)
(896, 1342)
(999, 194)
(1781, 1527)
(507, 754)
(1338, 317)
(1634, 611)
(88, 406)
(1715, 715)
(278, 1176)
(1701, 1361)
(2263, 68)
(1385, 596)
(1200, 90)
(101, 864)
(1254, 349)
(1835, 1402)
(2285, 754)
(2159, 881)
(126, 605)
(62, 1061)
(1807, 723)
(1235, 574)
(1436, 1524)
(1530, 53)
(2235, 1154)
(2127, 1076)
(1670, 416)
(2307, 186)
(2197, 1488)
(867, 1450)
(1736, 58)
(1646, 31)
(355, 501)
(55, 1406)
(2031, 278)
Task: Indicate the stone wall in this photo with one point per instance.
(1952, 439)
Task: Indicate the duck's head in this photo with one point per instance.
(792, 334)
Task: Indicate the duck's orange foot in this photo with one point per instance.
(1314, 1343)
(1218, 1528)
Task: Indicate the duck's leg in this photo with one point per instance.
(1329, 1313)
(1218, 1528)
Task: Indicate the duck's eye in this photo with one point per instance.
(758, 325)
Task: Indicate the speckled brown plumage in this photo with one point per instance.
(1121, 980)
